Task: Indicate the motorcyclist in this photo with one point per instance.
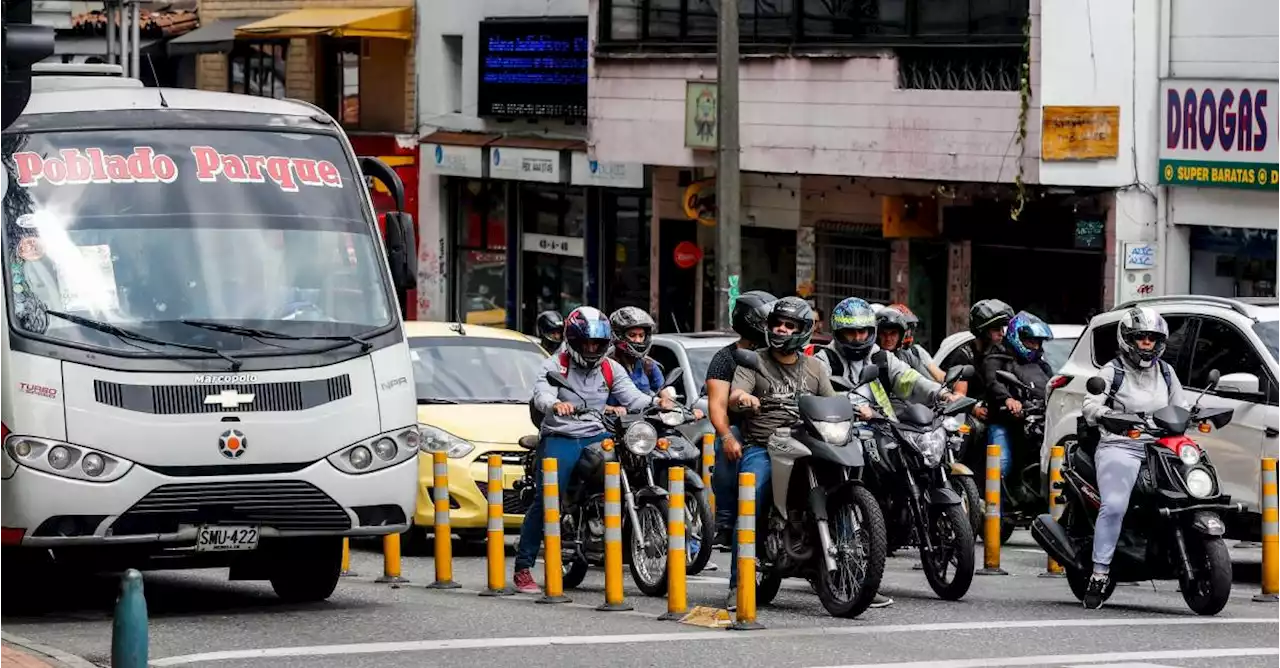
(632, 338)
(594, 379)
(1020, 352)
(550, 330)
(1146, 384)
(784, 375)
(987, 321)
(908, 350)
(749, 320)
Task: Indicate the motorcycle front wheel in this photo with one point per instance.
(949, 568)
(647, 546)
(970, 500)
(858, 534)
(574, 571)
(1206, 591)
(700, 531)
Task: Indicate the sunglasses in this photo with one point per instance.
(1146, 337)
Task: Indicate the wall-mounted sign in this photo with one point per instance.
(554, 245)
(524, 164)
(1090, 233)
(701, 102)
(453, 160)
(1079, 133)
(1218, 134)
(699, 202)
(583, 171)
(1139, 256)
(533, 68)
(687, 254)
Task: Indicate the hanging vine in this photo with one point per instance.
(1024, 107)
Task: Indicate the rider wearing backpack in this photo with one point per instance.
(1138, 381)
(1020, 352)
(632, 338)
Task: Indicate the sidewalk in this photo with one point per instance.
(18, 652)
(12, 657)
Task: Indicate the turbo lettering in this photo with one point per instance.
(72, 166)
(287, 173)
(1229, 120)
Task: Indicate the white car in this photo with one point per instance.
(1056, 351)
(1238, 337)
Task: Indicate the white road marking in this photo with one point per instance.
(623, 639)
(1120, 665)
(1082, 660)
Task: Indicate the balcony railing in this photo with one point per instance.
(770, 25)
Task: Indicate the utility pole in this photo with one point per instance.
(728, 179)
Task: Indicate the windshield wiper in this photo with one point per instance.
(269, 334)
(128, 335)
(502, 401)
(431, 401)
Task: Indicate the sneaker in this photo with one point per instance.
(1095, 591)
(731, 602)
(524, 584)
(880, 601)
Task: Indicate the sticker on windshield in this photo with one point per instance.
(90, 284)
(287, 173)
(27, 220)
(73, 167)
(29, 249)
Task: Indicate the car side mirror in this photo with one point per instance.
(1095, 386)
(1239, 384)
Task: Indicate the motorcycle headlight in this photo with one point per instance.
(1189, 454)
(952, 424)
(835, 433)
(435, 439)
(1199, 483)
(640, 438)
(931, 444)
(671, 418)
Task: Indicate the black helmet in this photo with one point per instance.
(988, 313)
(550, 329)
(630, 317)
(751, 315)
(892, 318)
(797, 310)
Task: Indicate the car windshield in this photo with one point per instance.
(142, 229)
(1057, 351)
(476, 370)
(1269, 332)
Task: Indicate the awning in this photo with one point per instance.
(542, 143)
(385, 22)
(450, 138)
(212, 37)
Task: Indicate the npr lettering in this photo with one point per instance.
(1227, 120)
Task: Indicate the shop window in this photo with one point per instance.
(257, 68)
(626, 249)
(555, 210)
(852, 261)
(342, 88)
(481, 250)
(959, 68)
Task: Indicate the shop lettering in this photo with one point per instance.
(537, 165)
(1228, 120)
(93, 165)
(1227, 175)
(553, 245)
(287, 173)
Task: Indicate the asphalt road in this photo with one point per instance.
(200, 619)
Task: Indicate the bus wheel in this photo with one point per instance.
(304, 570)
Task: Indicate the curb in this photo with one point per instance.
(57, 657)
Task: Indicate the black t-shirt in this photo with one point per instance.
(722, 366)
(968, 354)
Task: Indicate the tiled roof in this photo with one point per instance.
(155, 24)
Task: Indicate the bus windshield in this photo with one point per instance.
(151, 231)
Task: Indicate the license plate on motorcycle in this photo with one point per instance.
(226, 538)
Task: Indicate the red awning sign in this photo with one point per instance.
(687, 254)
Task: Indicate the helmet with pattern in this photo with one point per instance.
(800, 314)
(888, 319)
(988, 313)
(750, 316)
(1023, 328)
(587, 327)
(550, 329)
(628, 318)
(853, 314)
(1139, 323)
(913, 322)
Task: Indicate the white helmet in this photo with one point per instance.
(1136, 323)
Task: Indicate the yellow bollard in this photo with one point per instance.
(1052, 568)
(677, 595)
(1270, 534)
(497, 533)
(346, 559)
(746, 614)
(552, 559)
(708, 461)
(391, 560)
(991, 530)
(613, 597)
(443, 535)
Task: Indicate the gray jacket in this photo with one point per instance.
(907, 384)
(590, 385)
(1143, 391)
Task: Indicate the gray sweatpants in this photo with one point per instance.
(1118, 466)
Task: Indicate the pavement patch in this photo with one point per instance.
(1076, 660)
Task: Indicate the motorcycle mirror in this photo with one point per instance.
(1095, 386)
(957, 373)
(869, 373)
(1214, 377)
(747, 358)
(1009, 378)
(557, 380)
(673, 377)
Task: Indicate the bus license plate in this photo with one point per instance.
(226, 538)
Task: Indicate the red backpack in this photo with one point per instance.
(605, 367)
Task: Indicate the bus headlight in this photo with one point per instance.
(378, 452)
(60, 458)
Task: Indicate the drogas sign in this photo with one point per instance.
(1219, 134)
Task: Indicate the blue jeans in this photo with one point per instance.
(724, 484)
(755, 459)
(998, 434)
(566, 452)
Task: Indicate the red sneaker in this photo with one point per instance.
(523, 581)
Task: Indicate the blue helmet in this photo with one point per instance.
(587, 325)
(1026, 326)
(853, 313)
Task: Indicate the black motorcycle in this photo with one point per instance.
(909, 474)
(1173, 527)
(822, 525)
(1023, 497)
(678, 449)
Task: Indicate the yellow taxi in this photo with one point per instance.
(473, 385)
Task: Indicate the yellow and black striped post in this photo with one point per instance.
(708, 461)
(1270, 534)
(552, 559)
(746, 614)
(991, 529)
(346, 559)
(1052, 568)
(677, 594)
(497, 548)
(613, 597)
(443, 533)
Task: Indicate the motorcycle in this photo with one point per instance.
(823, 524)
(681, 450)
(1173, 527)
(909, 476)
(1023, 499)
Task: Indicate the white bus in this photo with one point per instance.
(204, 360)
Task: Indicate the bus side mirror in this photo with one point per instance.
(402, 253)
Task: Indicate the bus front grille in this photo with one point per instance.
(188, 399)
(287, 505)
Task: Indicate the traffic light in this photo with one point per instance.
(24, 45)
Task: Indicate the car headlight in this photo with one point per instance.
(377, 452)
(952, 424)
(671, 418)
(1189, 454)
(930, 444)
(63, 459)
(640, 438)
(835, 433)
(1199, 483)
(435, 439)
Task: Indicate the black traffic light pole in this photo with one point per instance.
(24, 45)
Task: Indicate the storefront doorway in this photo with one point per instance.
(553, 221)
